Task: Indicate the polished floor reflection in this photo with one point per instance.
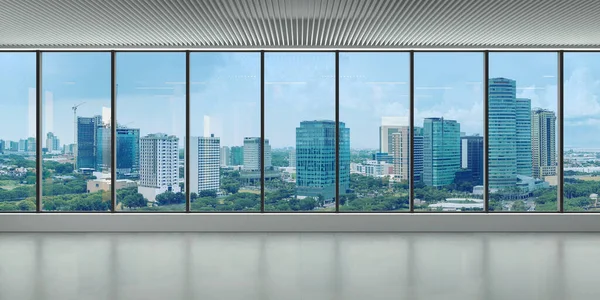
(299, 266)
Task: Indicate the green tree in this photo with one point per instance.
(26, 205)
(63, 169)
(168, 198)
(208, 193)
(307, 204)
(231, 188)
(135, 200)
(519, 205)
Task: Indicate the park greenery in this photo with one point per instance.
(64, 190)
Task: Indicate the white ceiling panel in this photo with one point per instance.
(262, 24)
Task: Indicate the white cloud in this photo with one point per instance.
(581, 94)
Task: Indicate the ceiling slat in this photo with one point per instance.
(299, 24)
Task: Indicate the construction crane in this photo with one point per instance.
(74, 108)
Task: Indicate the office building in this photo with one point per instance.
(225, 156)
(418, 153)
(52, 142)
(128, 151)
(471, 153)
(23, 145)
(105, 184)
(14, 146)
(383, 157)
(523, 136)
(31, 144)
(159, 165)
(389, 126)
(441, 151)
(87, 141)
(103, 149)
(252, 154)
(315, 159)
(502, 141)
(204, 163)
(543, 143)
(69, 149)
(2, 146)
(237, 156)
(385, 137)
(400, 151)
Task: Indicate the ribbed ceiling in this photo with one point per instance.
(299, 23)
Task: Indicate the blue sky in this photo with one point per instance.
(225, 90)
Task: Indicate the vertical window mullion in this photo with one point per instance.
(560, 117)
(486, 75)
(39, 133)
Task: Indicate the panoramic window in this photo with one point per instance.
(225, 132)
(150, 131)
(522, 154)
(375, 103)
(582, 122)
(448, 131)
(299, 146)
(75, 116)
(17, 131)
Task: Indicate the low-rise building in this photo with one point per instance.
(96, 185)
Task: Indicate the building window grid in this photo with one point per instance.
(491, 88)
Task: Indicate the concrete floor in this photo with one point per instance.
(286, 266)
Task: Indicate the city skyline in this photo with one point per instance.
(70, 85)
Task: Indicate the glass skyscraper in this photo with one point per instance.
(103, 149)
(523, 135)
(128, 151)
(315, 159)
(502, 151)
(237, 156)
(441, 151)
(418, 153)
(471, 149)
(87, 140)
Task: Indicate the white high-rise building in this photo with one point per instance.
(543, 143)
(292, 159)
(204, 164)
(252, 150)
(389, 126)
(52, 142)
(159, 170)
(225, 154)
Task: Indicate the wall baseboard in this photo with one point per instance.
(311, 222)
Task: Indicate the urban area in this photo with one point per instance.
(448, 167)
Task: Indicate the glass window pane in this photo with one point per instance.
(522, 131)
(581, 127)
(76, 111)
(448, 130)
(225, 110)
(375, 103)
(17, 131)
(299, 146)
(150, 130)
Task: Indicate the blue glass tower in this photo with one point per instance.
(128, 151)
(315, 159)
(87, 141)
(471, 152)
(441, 151)
(523, 136)
(502, 127)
